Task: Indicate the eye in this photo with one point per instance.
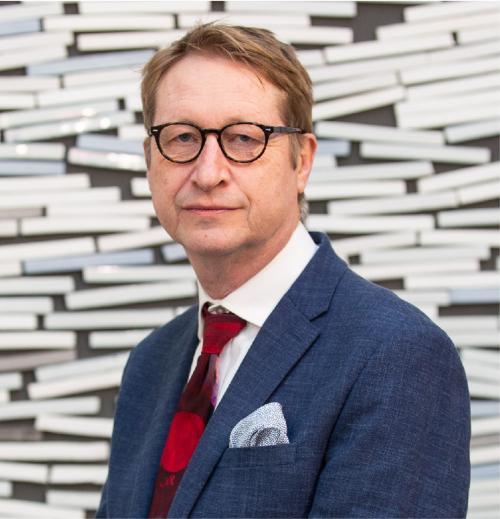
(185, 137)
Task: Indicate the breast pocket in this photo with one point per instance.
(273, 455)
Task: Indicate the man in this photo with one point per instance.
(331, 397)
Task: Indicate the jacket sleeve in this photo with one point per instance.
(400, 447)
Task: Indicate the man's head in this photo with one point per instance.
(214, 76)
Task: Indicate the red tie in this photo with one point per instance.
(194, 409)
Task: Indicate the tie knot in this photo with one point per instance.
(219, 329)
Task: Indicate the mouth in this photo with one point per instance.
(208, 210)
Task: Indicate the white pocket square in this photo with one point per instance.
(264, 427)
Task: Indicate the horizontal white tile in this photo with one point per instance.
(135, 132)
(6, 488)
(409, 203)
(24, 409)
(37, 340)
(311, 57)
(446, 154)
(86, 499)
(437, 71)
(10, 268)
(478, 486)
(469, 218)
(115, 274)
(47, 249)
(54, 450)
(19, 27)
(254, 19)
(335, 190)
(110, 160)
(481, 372)
(447, 24)
(455, 102)
(491, 358)
(144, 6)
(455, 236)
(80, 196)
(335, 9)
(74, 385)
(28, 361)
(11, 381)
(26, 472)
(431, 10)
(38, 39)
(375, 132)
(479, 192)
(28, 84)
(28, 56)
(469, 323)
(85, 224)
(399, 270)
(119, 319)
(466, 52)
(482, 390)
(480, 455)
(103, 121)
(32, 167)
(80, 110)
(133, 240)
(92, 62)
(20, 508)
(125, 339)
(361, 225)
(40, 151)
(377, 48)
(69, 474)
(351, 246)
(173, 252)
(37, 305)
(86, 366)
(8, 228)
(50, 285)
(45, 183)
(126, 207)
(485, 32)
(107, 22)
(477, 339)
(20, 213)
(76, 263)
(454, 86)
(128, 294)
(370, 67)
(30, 10)
(459, 178)
(423, 254)
(338, 88)
(92, 77)
(128, 40)
(140, 187)
(471, 131)
(357, 103)
(381, 171)
(314, 35)
(4, 396)
(435, 297)
(10, 101)
(484, 279)
(18, 321)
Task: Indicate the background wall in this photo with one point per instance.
(406, 183)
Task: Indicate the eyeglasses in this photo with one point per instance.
(240, 142)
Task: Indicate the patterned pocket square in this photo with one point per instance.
(264, 427)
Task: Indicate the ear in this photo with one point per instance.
(308, 146)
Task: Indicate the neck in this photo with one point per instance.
(221, 275)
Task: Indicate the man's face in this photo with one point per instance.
(212, 205)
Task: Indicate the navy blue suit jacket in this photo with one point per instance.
(374, 396)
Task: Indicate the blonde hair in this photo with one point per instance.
(257, 48)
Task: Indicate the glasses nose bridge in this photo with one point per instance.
(217, 131)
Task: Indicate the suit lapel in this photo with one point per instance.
(174, 363)
(282, 341)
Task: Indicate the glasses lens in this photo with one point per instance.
(180, 142)
(243, 142)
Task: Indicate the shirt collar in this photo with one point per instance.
(256, 298)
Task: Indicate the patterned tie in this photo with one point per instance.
(194, 409)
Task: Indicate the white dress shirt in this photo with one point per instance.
(254, 301)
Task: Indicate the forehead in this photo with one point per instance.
(205, 87)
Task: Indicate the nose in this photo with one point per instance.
(211, 167)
